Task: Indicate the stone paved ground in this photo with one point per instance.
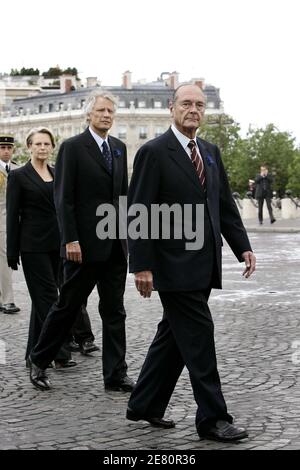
(257, 325)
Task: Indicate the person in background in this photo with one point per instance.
(7, 304)
(32, 232)
(263, 192)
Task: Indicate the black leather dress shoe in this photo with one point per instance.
(125, 384)
(9, 308)
(225, 432)
(38, 377)
(157, 422)
(65, 364)
(88, 346)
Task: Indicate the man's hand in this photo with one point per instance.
(73, 252)
(13, 262)
(250, 262)
(144, 283)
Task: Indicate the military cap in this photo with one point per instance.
(6, 139)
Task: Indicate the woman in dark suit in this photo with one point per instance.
(32, 232)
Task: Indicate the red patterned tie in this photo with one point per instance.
(197, 161)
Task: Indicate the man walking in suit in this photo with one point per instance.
(263, 191)
(7, 304)
(91, 170)
(179, 168)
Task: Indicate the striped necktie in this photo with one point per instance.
(197, 162)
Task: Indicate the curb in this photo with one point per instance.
(273, 229)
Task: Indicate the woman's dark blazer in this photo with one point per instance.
(31, 217)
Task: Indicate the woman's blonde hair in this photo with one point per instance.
(39, 130)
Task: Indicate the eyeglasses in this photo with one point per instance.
(189, 104)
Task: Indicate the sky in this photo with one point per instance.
(250, 49)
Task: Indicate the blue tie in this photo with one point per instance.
(107, 156)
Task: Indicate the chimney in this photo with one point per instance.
(66, 83)
(199, 82)
(91, 82)
(127, 80)
(173, 80)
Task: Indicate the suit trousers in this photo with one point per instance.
(111, 277)
(41, 271)
(82, 329)
(6, 288)
(260, 208)
(185, 337)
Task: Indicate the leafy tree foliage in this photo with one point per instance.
(275, 149)
(55, 72)
(223, 131)
(71, 71)
(52, 72)
(294, 174)
(243, 157)
(24, 71)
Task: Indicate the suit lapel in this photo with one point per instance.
(208, 162)
(34, 177)
(94, 150)
(181, 158)
(117, 162)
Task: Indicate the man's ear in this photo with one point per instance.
(171, 108)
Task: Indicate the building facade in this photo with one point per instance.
(143, 110)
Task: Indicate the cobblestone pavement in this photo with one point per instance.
(258, 346)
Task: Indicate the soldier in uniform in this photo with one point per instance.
(7, 304)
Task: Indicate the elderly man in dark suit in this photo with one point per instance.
(91, 170)
(180, 168)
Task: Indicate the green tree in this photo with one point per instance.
(24, 72)
(223, 131)
(294, 174)
(53, 72)
(243, 157)
(71, 71)
(275, 149)
(29, 71)
(21, 154)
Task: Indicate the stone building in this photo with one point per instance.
(143, 109)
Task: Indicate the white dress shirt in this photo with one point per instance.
(99, 139)
(184, 141)
(3, 164)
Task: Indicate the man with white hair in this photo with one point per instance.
(91, 170)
